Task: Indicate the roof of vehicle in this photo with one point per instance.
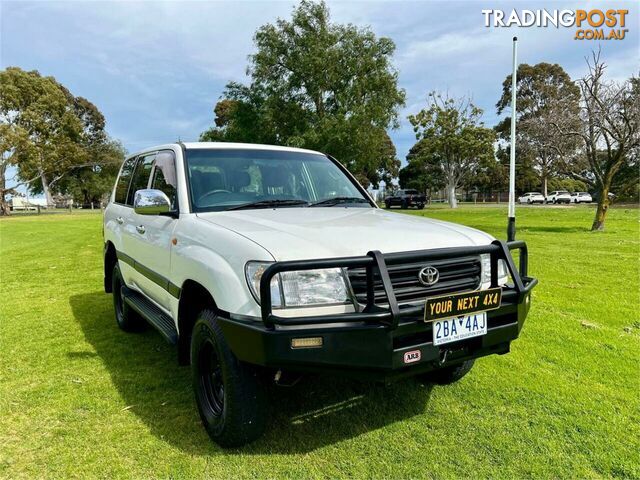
(533, 193)
(227, 145)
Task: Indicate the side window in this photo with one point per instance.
(164, 176)
(141, 176)
(123, 181)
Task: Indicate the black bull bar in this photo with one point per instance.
(375, 262)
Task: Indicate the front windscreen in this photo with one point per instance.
(221, 179)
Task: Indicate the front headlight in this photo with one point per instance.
(253, 272)
(503, 272)
(301, 288)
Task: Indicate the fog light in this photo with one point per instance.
(308, 342)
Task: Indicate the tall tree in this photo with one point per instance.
(320, 85)
(92, 182)
(12, 137)
(527, 178)
(609, 131)
(491, 176)
(45, 131)
(38, 107)
(451, 135)
(626, 181)
(544, 94)
(422, 173)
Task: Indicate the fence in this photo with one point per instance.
(473, 197)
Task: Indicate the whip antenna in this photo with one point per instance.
(511, 225)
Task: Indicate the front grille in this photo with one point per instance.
(456, 275)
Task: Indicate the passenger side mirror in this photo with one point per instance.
(151, 202)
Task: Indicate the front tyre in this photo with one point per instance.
(126, 318)
(449, 375)
(230, 397)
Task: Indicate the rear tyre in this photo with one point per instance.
(230, 396)
(449, 375)
(387, 206)
(126, 317)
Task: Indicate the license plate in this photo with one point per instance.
(458, 328)
(457, 304)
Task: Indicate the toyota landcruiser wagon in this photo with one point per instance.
(263, 263)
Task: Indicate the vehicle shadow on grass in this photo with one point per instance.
(318, 411)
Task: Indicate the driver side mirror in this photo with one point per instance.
(151, 202)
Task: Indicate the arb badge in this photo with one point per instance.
(412, 356)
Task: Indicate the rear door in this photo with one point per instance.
(117, 215)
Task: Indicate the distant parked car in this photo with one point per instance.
(559, 196)
(531, 197)
(581, 197)
(406, 199)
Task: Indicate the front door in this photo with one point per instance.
(154, 245)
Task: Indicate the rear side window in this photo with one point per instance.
(141, 175)
(122, 187)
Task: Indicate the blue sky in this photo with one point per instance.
(155, 69)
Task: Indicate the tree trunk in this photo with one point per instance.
(4, 206)
(601, 211)
(451, 194)
(45, 189)
(545, 181)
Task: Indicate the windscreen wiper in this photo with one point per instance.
(268, 204)
(330, 202)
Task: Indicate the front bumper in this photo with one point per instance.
(373, 343)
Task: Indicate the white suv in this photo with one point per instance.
(581, 197)
(559, 196)
(531, 197)
(262, 263)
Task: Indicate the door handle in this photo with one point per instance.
(120, 220)
(140, 229)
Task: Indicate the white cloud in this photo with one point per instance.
(157, 68)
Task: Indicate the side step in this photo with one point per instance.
(152, 314)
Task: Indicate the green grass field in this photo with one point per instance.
(79, 398)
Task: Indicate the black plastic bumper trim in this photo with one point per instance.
(368, 350)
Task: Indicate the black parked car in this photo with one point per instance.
(406, 199)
